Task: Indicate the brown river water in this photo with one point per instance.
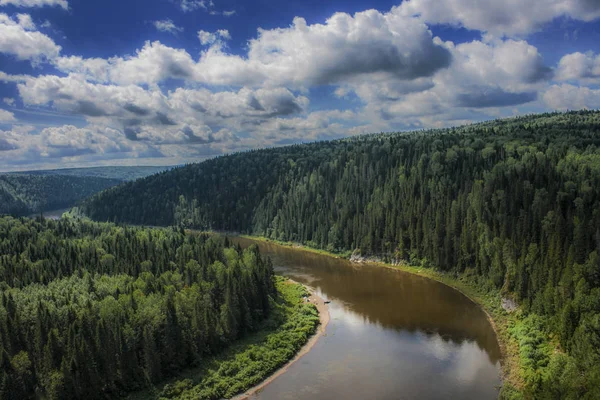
(392, 335)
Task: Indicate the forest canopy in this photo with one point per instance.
(22, 195)
(94, 311)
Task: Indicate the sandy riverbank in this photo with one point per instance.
(324, 320)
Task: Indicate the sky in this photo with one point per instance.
(167, 82)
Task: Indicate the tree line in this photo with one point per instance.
(91, 310)
(515, 202)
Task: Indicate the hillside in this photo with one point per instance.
(119, 173)
(27, 194)
(515, 202)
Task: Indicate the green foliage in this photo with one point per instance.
(535, 351)
(515, 201)
(92, 310)
(509, 392)
(29, 194)
(244, 365)
(549, 374)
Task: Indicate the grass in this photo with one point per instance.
(527, 350)
(251, 360)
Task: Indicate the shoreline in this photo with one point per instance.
(471, 298)
(509, 362)
(324, 319)
(499, 320)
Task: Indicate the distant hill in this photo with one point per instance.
(120, 173)
(22, 195)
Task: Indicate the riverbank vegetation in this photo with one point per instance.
(92, 310)
(251, 360)
(513, 205)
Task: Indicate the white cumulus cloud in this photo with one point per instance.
(67, 145)
(209, 38)
(344, 47)
(483, 76)
(17, 38)
(35, 3)
(577, 66)
(184, 115)
(508, 17)
(151, 64)
(26, 22)
(6, 116)
(570, 97)
(369, 44)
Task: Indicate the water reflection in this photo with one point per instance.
(392, 335)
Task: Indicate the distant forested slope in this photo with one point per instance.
(94, 311)
(516, 202)
(27, 194)
(121, 173)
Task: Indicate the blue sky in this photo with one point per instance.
(163, 82)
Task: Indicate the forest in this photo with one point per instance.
(514, 203)
(22, 195)
(121, 173)
(94, 311)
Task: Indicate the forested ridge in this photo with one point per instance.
(121, 173)
(92, 310)
(28, 194)
(515, 202)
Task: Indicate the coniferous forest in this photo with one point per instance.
(33, 193)
(515, 203)
(120, 173)
(92, 310)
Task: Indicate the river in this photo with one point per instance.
(392, 335)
